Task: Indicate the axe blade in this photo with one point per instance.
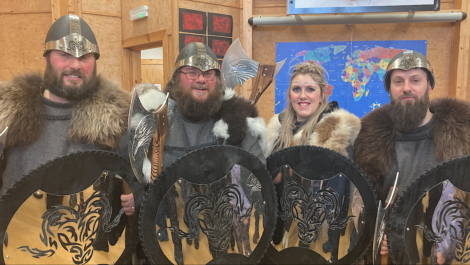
(237, 66)
(146, 102)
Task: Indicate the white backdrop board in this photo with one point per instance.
(359, 6)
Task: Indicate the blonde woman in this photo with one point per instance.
(309, 119)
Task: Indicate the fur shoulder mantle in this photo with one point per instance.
(237, 118)
(451, 136)
(336, 131)
(98, 120)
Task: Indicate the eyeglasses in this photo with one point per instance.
(193, 75)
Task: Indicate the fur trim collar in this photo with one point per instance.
(336, 131)
(98, 120)
(451, 136)
(236, 118)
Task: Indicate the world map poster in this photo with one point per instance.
(354, 71)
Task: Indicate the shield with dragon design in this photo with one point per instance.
(431, 218)
(68, 211)
(327, 207)
(214, 205)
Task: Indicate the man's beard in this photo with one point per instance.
(54, 82)
(192, 109)
(409, 116)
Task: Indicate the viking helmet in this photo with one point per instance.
(198, 55)
(408, 60)
(72, 35)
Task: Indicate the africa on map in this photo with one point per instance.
(354, 71)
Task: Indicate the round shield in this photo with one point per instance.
(69, 211)
(213, 205)
(327, 207)
(430, 221)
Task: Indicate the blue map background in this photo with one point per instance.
(333, 56)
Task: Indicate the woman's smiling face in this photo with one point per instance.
(305, 96)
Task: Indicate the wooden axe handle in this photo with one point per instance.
(263, 79)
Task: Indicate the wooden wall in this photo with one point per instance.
(25, 24)
(152, 71)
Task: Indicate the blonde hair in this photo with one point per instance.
(286, 138)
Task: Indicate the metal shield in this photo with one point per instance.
(327, 207)
(146, 103)
(214, 205)
(69, 211)
(431, 218)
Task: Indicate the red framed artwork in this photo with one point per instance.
(192, 21)
(220, 25)
(187, 38)
(219, 45)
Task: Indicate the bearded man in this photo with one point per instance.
(412, 133)
(202, 113)
(69, 109)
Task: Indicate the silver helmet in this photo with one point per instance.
(198, 55)
(72, 35)
(408, 60)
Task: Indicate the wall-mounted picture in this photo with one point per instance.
(219, 45)
(220, 25)
(354, 71)
(187, 38)
(192, 21)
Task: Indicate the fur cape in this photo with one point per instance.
(98, 120)
(374, 148)
(336, 131)
(236, 118)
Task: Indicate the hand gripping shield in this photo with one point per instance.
(214, 205)
(327, 207)
(431, 218)
(69, 211)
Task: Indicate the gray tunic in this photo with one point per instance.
(183, 137)
(51, 143)
(415, 154)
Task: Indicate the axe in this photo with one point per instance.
(148, 121)
(238, 67)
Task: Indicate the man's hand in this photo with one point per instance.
(127, 201)
(384, 246)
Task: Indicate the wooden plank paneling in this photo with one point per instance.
(112, 7)
(59, 8)
(152, 73)
(108, 34)
(159, 17)
(269, 3)
(131, 69)
(144, 39)
(22, 43)
(25, 6)
(151, 61)
(247, 44)
(458, 83)
(228, 3)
